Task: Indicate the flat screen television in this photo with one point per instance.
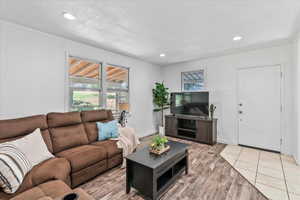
(190, 103)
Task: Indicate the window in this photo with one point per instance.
(84, 84)
(192, 81)
(117, 87)
(87, 87)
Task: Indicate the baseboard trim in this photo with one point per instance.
(146, 133)
(224, 141)
(143, 137)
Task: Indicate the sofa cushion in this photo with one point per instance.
(47, 139)
(16, 128)
(22, 126)
(110, 115)
(52, 189)
(92, 130)
(66, 130)
(110, 147)
(63, 119)
(88, 173)
(89, 118)
(83, 156)
(94, 115)
(67, 137)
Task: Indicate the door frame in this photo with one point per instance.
(282, 103)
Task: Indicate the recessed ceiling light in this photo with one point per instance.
(237, 38)
(162, 55)
(69, 16)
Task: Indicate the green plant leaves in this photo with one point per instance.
(160, 99)
(160, 95)
(159, 142)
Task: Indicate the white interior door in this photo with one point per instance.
(259, 109)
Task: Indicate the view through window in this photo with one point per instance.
(192, 81)
(117, 83)
(86, 86)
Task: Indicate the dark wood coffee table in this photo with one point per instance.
(151, 174)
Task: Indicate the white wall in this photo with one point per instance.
(221, 80)
(33, 69)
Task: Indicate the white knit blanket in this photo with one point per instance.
(128, 141)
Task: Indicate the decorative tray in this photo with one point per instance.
(159, 152)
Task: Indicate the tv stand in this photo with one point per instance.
(195, 128)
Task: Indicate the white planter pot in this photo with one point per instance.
(161, 130)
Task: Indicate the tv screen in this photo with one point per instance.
(190, 103)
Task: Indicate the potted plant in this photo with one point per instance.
(161, 100)
(158, 145)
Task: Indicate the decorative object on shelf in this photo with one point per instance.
(212, 109)
(123, 118)
(161, 100)
(71, 196)
(158, 145)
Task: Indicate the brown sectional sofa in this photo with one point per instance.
(72, 138)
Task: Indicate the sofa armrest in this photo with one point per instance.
(45, 172)
(51, 169)
(45, 191)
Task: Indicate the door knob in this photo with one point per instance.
(240, 112)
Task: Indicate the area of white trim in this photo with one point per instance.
(146, 133)
(225, 141)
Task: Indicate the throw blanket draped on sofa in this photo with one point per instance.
(128, 141)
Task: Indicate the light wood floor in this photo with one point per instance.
(210, 178)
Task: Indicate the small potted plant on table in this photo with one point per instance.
(158, 145)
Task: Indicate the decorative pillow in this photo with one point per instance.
(18, 157)
(107, 130)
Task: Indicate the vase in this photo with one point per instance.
(161, 131)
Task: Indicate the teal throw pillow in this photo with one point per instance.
(107, 130)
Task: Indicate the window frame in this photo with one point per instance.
(204, 81)
(71, 89)
(116, 90)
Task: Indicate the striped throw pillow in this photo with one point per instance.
(18, 157)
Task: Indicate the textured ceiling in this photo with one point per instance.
(182, 29)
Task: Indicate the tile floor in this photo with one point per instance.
(276, 176)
